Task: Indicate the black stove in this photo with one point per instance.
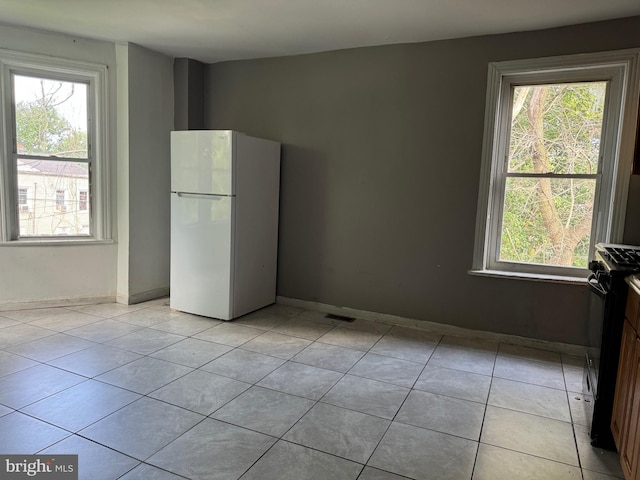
(624, 258)
(613, 263)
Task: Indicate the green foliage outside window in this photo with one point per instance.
(555, 129)
(43, 126)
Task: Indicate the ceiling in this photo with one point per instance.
(218, 30)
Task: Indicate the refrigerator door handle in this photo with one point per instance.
(200, 195)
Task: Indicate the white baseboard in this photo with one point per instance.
(135, 298)
(441, 328)
(62, 302)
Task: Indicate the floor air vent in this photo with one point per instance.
(339, 317)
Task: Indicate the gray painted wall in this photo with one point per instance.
(380, 171)
(188, 75)
(150, 121)
(145, 118)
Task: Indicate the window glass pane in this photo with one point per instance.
(54, 198)
(547, 221)
(50, 116)
(556, 128)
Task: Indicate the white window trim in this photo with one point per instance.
(97, 76)
(609, 222)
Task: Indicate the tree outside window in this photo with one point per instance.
(552, 169)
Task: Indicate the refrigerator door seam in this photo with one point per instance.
(199, 195)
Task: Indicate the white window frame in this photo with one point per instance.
(621, 69)
(95, 75)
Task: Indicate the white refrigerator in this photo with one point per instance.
(224, 222)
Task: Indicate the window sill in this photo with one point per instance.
(49, 242)
(536, 277)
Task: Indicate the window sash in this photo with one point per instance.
(51, 158)
(609, 128)
(551, 175)
(496, 263)
(52, 77)
(62, 201)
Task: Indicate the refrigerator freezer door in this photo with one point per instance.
(201, 254)
(202, 162)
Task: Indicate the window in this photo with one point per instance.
(82, 204)
(22, 196)
(23, 206)
(557, 155)
(53, 112)
(60, 206)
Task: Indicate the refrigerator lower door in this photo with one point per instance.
(201, 254)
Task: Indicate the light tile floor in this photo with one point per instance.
(144, 392)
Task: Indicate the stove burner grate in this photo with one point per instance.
(624, 257)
